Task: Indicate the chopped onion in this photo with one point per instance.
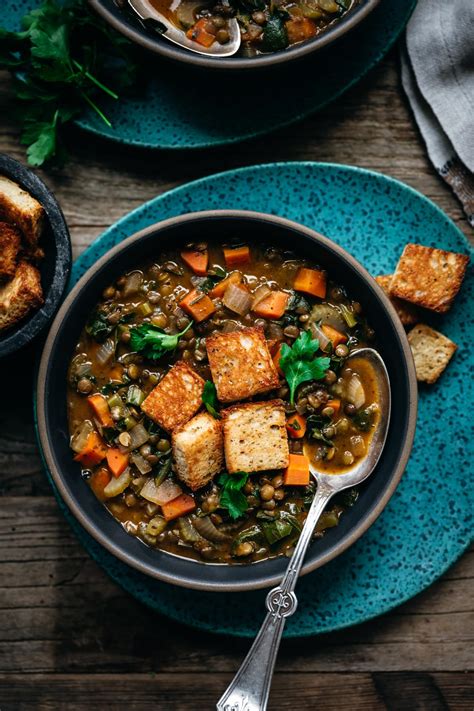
(133, 283)
(117, 485)
(167, 491)
(80, 436)
(208, 530)
(141, 463)
(355, 393)
(106, 351)
(237, 299)
(260, 294)
(139, 436)
(318, 333)
(327, 314)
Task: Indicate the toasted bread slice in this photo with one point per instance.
(20, 295)
(10, 244)
(176, 398)
(431, 352)
(407, 313)
(198, 450)
(428, 277)
(21, 209)
(241, 364)
(255, 437)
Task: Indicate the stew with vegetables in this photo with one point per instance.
(264, 26)
(203, 385)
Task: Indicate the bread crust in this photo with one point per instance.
(176, 398)
(10, 245)
(20, 295)
(198, 450)
(432, 352)
(20, 208)
(407, 313)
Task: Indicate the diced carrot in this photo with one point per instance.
(311, 282)
(236, 255)
(297, 472)
(117, 460)
(116, 372)
(198, 305)
(299, 29)
(272, 306)
(336, 406)
(93, 452)
(183, 504)
(273, 344)
(219, 290)
(196, 260)
(276, 360)
(335, 336)
(199, 33)
(101, 409)
(296, 426)
(99, 481)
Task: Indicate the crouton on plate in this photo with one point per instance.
(176, 398)
(10, 244)
(431, 352)
(429, 277)
(407, 313)
(20, 295)
(198, 450)
(241, 364)
(255, 437)
(21, 209)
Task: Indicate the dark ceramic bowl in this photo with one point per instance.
(54, 268)
(124, 21)
(64, 333)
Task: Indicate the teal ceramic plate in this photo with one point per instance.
(182, 107)
(428, 522)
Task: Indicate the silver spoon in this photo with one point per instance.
(250, 687)
(146, 11)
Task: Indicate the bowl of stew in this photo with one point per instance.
(272, 33)
(173, 414)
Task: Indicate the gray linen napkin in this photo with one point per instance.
(438, 78)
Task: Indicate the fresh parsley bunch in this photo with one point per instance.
(299, 364)
(60, 62)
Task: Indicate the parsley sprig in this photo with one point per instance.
(152, 341)
(232, 497)
(299, 364)
(59, 62)
(209, 399)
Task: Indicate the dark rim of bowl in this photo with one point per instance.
(17, 337)
(45, 439)
(167, 49)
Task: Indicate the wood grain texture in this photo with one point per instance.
(72, 639)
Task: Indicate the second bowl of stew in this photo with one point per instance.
(192, 377)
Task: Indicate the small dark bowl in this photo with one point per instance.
(125, 22)
(52, 393)
(54, 268)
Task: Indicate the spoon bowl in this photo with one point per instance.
(155, 20)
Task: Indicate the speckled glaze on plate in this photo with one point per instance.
(186, 107)
(428, 522)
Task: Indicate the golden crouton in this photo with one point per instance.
(407, 313)
(176, 398)
(198, 450)
(21, 209)
(10, 243)
(255, 437)
(20, 295)
(241, 364)
(431, 352)
(428, 277)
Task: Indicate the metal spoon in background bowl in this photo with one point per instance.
(151, 17)
(250, 687)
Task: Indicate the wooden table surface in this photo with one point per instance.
(72, 639)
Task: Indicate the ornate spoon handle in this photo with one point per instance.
(250, 688)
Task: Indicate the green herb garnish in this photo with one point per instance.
(299, 364)
(152, 341)
(209, 398)
(59, 61)
(98, 327)
(232, 497)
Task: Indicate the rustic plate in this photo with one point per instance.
(185, 107)
(428, 522)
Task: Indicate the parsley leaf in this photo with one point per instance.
(299, 363)
(152, 341)
(209, 398)
(98, 327)
(232, 497)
